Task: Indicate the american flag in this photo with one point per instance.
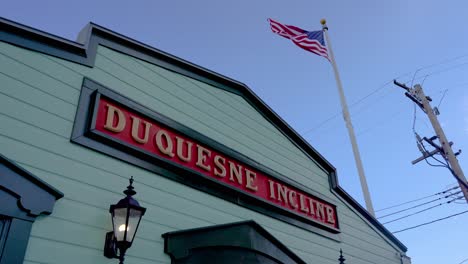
(309, 40)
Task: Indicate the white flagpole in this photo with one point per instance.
(349, 125)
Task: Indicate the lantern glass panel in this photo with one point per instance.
(119, 219)
(133, 221)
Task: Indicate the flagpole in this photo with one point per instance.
(349, 125)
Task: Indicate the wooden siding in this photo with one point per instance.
(38, 100)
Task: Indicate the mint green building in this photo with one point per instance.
(222, 177)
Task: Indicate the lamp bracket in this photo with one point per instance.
(110, 247)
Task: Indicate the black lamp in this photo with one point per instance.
(126, 217)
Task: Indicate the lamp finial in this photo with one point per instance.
(130, 191)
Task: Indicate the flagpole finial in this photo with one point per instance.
(324, 24)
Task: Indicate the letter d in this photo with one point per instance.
(111, 114)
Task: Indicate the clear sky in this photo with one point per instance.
(374, 42)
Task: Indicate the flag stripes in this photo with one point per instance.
(311, 41)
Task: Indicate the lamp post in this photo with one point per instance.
(126, 217)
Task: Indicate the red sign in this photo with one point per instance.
(151, 136)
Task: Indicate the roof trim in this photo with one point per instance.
(33, 195)
(32, 178)
(85, 53)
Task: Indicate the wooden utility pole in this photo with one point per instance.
(417, 95)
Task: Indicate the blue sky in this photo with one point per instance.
(373, 41)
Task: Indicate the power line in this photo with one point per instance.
(330, 118)
(350, 106)
(443, 70)
(419, 199)
(423, 210)
(389, 82)
(442, 98)
(447, 166)
(418, 205)
(377, 125)
(436, 64)
(433, 221)
(321, 123)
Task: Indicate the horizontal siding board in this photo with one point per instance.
(98, 217)
(37, 59)
(37, 114)
(19, 70)
(24, 129)
(251, 147)
(215, 102)
(174, 82)
(320, 188)
(49, 251)
(300, 233)
(23, 91)
(356, 226)
(13, 109)
(72, 167)
(101, 195)
(199, 107)
(79, 235)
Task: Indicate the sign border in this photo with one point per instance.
(84, 133)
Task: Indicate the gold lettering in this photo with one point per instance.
(203, 153)
(282, 193)
(311, 205)
(292, 199)
(330, 215)
(160, 144)
(272, 190)
(220, 169)
(235, 172)
(135, 129)
(109, 125)
(180, 149)
(302, 202)
(320, 211)
(250, 178)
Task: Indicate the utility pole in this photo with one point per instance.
(417, 95)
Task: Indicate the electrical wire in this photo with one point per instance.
(457, 202)
(440, 63)
(371, 93)
(444, 165)
(433, 221)
(444, 70)
(321, 123)
(447, 166)
(422, 83)
(434, 165)
(330, 118)
(418, 199)
(418, 205)
(389, 82)
(425, 209)
(441, 162)
(379, 124)
(414, 76)
(443, 95)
